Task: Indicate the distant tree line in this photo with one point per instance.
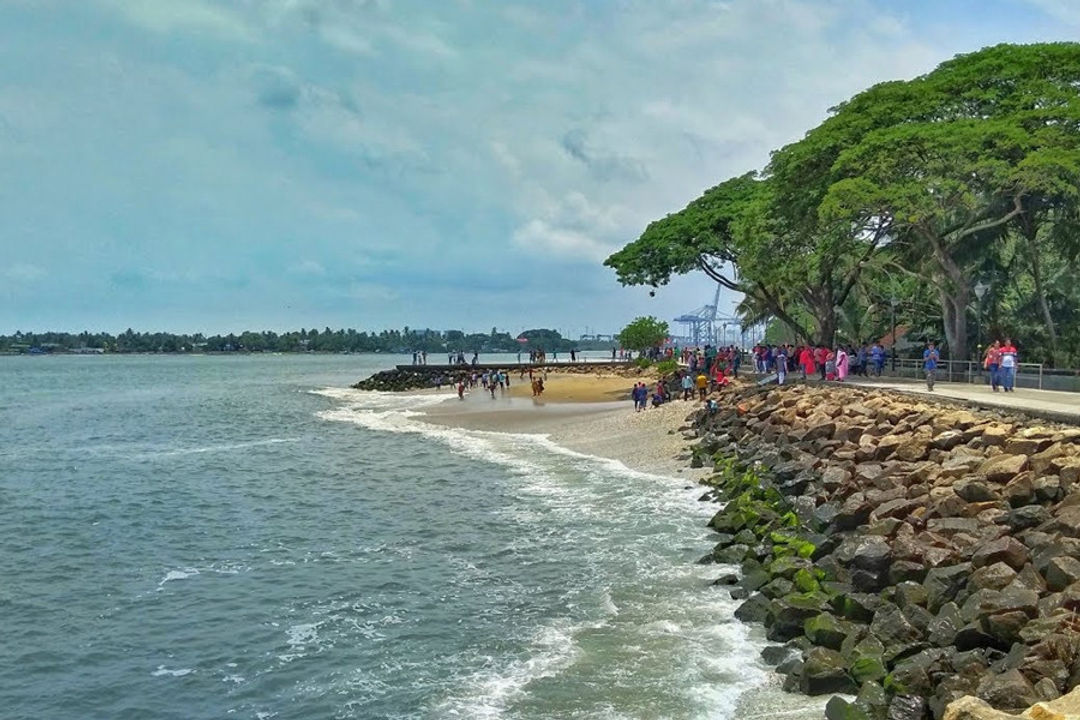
(303, 340)
(948, 204)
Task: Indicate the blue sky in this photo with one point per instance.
(218, 165)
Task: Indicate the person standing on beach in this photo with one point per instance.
(702, 382)
(687, 386)
(930, 361)
(1008, 365)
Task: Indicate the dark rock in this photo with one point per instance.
(754, 578)
(907, 707)
(897, 635)
(787, 615)
(972, 637)
(775, 654)
(1026, 517)
(728, 579)
(974, 491)
(1005, 627)
(777, 587)
(826, 631)
(872, 700)
(942, 583)
(840, 709)
(943, 628)
(1007, 549)
(731, 555)
(754, 610)
(1010, 690)
(856, 606)
(983, 603)
(919, 617)
(910, 593)
(869, 553)
(907, 571)
(868, 668)
(739, 593)
(1061, 572)
(824, 672)
(1048, 489)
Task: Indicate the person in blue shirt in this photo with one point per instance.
(877, 355)
(930, 360)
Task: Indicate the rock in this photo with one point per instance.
(1026, 446)
(731, 555)
(993, 577)
(912, 450)
(1002, 468)
(1047, 488)
(973, 708)
(1005, 627)
(859, 607)
(994, 435)
(754, 610)
(825, 630)
(984, 603)
(824, 672)
(1007, 550)
(840, 709)
(787, 615)
(868, 668)
(777, 587)
(1026, 517)
(975, 491)
(907, 707)
(942, 584)
(1019, 491)
(907, 571)
(946, 624)
(1061, 572)
(869, 553)
(972, 637)
(1009, 690)
(910, 593)
(775, 654)
(898, 636)
(947, 440)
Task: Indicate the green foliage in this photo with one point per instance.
(643, 363)
(666, 367)
(643, 333)
(336, 341)
(912, 190)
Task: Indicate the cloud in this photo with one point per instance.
(244, 146)
(166, 16)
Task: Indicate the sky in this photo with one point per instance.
(220, 165)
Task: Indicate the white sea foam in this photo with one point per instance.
(486, 694)
(713, 663)
(224, 447)
(163, 671)
(183, 574)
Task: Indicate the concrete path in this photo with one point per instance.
(1051, 404)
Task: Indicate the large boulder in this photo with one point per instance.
(1061, 572)
(825, 630)
(1009, 690)
(869, 553)
(824, 671)
(787, 616)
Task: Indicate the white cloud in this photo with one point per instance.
(166, 16)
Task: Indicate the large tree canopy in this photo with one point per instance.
(968, 174)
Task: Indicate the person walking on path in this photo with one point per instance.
(841, 363)
(1008, 365)
(781, 364)
(930, 360)
(877, 355)
(992, 363)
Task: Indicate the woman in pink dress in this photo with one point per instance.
(841, 363)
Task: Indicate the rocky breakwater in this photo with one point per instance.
(414, 378)
(905, 552)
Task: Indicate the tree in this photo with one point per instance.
(643, 333)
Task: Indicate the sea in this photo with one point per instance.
(246, 537)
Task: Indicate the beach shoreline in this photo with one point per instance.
(589, 414)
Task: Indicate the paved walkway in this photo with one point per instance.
(1052, 404)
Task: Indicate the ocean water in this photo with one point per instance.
(213, 537)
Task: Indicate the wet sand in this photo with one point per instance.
(586, 413)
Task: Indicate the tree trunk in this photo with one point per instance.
(1034, 255)
(954, 314)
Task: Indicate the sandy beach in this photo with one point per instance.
(590, 414)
